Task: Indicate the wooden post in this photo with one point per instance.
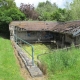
(62, 41)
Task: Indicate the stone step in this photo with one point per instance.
(33, 70)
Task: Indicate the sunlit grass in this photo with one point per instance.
(9, 69)
(60, 64)
(39, 48)
(63, 64)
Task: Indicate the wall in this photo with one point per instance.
(32, 36)
(25, 36)
(11, 28)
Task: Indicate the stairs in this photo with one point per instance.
(33, 69)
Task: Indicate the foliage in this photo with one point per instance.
(75, 11)
(9, 69)
(49, 11)
(39, 48)
(62, 64)
(15, 14)
(45, 9)
(29, 11)
(9, 12)
(7, 4)
(43, 12)
(60, 15)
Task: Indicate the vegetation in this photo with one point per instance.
(62, 64)
(29, 11)
(75, 12)
(45, 11)
(39, 48)
(9, 12)
(9, 69)
(51, 12)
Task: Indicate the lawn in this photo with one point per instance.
(9, 69)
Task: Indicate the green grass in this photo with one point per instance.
(63, 65)
(39, 48)
(60, 64)
(9, 69)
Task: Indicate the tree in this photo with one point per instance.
(45, 9)
(7, 4)
(61, 15)
(75, 10)
(9, 12)
(29, 11)
(15, 14)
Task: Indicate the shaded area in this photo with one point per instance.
(5, 35)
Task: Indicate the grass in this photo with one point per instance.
(60, 64)
(63, 65)
(9, 69)
(39, 48)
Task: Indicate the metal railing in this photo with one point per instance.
(17, 38)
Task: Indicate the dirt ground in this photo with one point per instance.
(24, 71)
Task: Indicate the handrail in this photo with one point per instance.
(25, 50)
(29, 45)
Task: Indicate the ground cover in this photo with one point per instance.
(39, 48)
(9, 69)
(60, 64)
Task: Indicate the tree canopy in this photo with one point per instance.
(75, 9)
(45, 9)
(9, 12)
(29, 11)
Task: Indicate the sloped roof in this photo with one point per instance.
(35, 25)
(72, 27)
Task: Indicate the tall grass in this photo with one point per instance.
(60, 64)
(62, 61)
